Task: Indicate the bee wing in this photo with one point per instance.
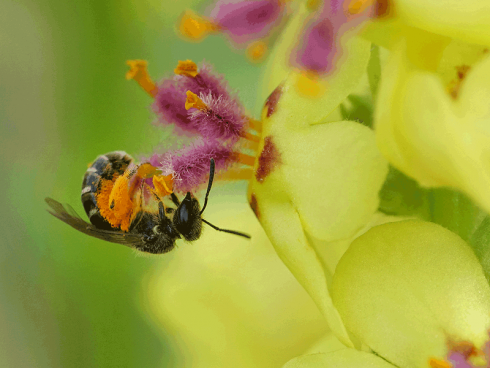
(69, 216)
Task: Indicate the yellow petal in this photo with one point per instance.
(283, 226)
(229, 301)
(430, 136)
(407, 288)
(348, 358)
(332, 173)
(468, 20)
(332, 89)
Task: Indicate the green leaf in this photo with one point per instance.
(402, 196)
(480, 242)
(358, 108)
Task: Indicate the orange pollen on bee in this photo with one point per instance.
(163, 185)
(104, 200)
(195, 27)
(256, 51)
(193, 101)
(120, 202)
(188, 68)
(147, 170)
(139, 72)
(358, 6)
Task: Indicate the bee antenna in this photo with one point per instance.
(227, 231)
(210, 183)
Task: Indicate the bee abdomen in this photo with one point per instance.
(105, 167)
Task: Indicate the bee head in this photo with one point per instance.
(187, 218)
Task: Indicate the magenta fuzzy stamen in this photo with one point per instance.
(170, 105)
(247, 20)
(190, 166)
(223, 119)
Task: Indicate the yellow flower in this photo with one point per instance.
(434, 125)
(316, 180)
(414, 295)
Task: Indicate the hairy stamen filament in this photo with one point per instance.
(246, 159)
(255, 125)
(250, 145)
(236, 174)
(251, 137)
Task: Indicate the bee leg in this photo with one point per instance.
(175, 199)
(153, 192)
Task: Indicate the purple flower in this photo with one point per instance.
(169, 105)
(247, 20)
(206, 81)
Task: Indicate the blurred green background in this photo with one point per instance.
(67, 300)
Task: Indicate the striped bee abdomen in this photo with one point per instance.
(104, 167)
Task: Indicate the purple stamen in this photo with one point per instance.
(190, 166)
(247, 20)
(224, 118)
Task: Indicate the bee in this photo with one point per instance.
(113, 196)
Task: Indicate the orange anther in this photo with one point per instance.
(256, 51)
(138, 71)
(195, 102)
(436, 363)
(194, 26)
(163, 185)
(187, 67)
